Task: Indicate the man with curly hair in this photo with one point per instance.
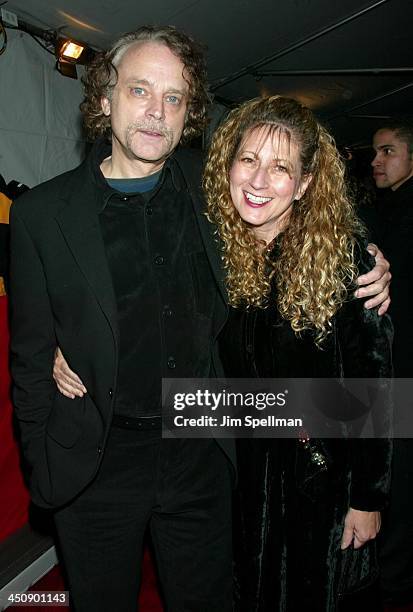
(109, 264)
(115, 263)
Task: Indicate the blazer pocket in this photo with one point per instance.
(64, 424)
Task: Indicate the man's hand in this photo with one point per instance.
(376, 282)
(67, 381)
(360, 527)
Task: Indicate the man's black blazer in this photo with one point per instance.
(62, 295)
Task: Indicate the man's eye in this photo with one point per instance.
(137, 91)
(388, 151)
(173, 99)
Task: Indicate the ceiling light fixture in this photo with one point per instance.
(70, 52)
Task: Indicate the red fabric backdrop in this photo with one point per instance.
(14, 498)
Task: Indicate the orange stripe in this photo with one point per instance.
(5, 204)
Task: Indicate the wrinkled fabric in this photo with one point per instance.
(290, 506)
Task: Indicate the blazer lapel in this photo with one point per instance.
(211, 243)
(79, 223)
(207, 229)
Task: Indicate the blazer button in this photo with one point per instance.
(159, 260)
(171, 363)
(100, 450)
(110, 392)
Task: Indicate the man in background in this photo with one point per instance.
(393, 175)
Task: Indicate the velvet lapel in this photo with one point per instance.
(79, 223)
(207, 229)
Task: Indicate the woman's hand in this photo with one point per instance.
(67, 381)
(360, 527)
(376, 282)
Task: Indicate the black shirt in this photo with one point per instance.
(158, 266)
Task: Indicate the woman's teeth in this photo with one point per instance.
(256, 199)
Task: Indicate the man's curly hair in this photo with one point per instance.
(101, 77)
(315, 265)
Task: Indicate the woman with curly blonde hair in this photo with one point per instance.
(306, 514)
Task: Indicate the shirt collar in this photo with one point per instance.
(102, 148)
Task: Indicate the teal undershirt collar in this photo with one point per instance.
(135, 185)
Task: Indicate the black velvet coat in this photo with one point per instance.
(289, 508)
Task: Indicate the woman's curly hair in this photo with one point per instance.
(101, 77)
(314, 267)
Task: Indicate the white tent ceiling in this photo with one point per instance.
(246, 38)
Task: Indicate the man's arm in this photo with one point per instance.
(33, 339)
(365, 342)
(376, 283)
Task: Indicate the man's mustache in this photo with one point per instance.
(150, 127)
